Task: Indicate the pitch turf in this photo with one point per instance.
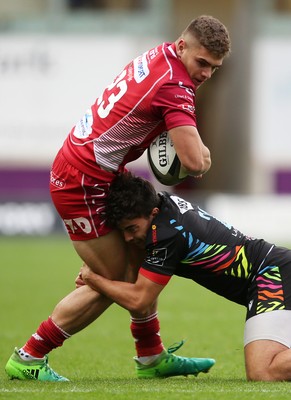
(37, 273)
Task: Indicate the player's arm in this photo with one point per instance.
(136, 257)
(134, 297)
(193, 154)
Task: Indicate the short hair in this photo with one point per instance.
(211, 34)
(129, 197)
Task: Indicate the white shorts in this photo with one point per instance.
(272, 325)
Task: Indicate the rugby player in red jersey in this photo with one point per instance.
(154, 92)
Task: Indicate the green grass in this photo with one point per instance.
(37, 273)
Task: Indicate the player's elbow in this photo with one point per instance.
(197, 164)
(196, 167)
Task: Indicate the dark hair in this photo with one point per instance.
(129, 197)
(211, 34)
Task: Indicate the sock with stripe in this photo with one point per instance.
(146, 334)
(47, 337)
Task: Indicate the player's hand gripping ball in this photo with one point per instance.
(164, 161)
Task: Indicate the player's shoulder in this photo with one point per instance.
(177, 78)
(166, 52)
(161, 57)
(174, 206)
(165, 199)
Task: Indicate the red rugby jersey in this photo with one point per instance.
(152, 94)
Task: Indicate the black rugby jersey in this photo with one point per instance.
(185, 240)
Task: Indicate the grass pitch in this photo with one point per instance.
(37, 272)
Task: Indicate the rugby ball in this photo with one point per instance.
(164, 162)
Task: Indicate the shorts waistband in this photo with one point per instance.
(98, 171)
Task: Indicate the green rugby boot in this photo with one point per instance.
(39, 370)
(168, 364)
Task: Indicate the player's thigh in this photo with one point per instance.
(106, 255)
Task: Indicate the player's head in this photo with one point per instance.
(202, 47)
(211, 34)
(129, 197)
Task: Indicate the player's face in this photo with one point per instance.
(135, 230)
(198, 61)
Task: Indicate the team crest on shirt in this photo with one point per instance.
(187, 89)
(157, 256)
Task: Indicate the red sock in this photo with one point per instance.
(47, 337)
(146, 332)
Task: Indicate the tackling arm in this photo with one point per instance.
(135, 297)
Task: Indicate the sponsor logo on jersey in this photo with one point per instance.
(182, 204)
(153, 53)
(187, 107)
(184, 97)
(154, 234)
(83, 127)
(157, 257)
(141, 70)
(56, 181)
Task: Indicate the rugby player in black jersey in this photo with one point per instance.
(182, 239)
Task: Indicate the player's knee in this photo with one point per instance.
(264, 375)
(141, 312)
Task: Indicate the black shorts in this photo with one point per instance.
(270, 288)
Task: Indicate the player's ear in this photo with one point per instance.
(155, 211)
(180, 46)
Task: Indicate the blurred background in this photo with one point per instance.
(56, 56)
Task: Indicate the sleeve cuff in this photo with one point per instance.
(155, 277)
